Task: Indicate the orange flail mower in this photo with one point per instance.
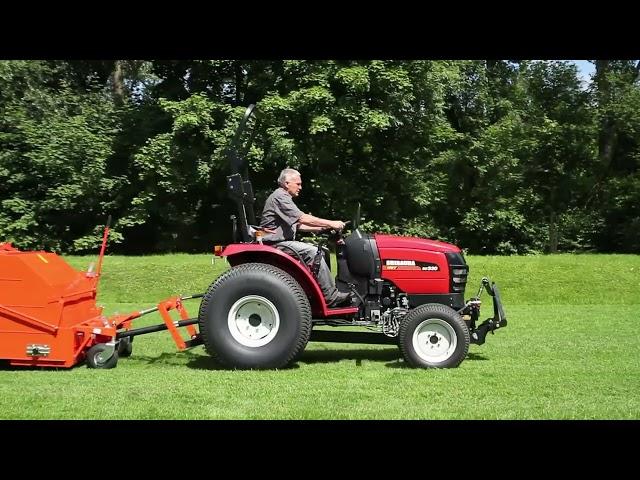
(49, 316)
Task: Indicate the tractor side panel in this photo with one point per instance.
(415, 271)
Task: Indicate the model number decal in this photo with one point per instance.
(410, 265)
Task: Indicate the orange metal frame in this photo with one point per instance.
(163, 307)
(176, 303)
(48, 311)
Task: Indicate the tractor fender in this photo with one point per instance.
(238, 254)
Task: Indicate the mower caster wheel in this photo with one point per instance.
(97, 357)
(125, 347)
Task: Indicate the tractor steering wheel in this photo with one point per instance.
(332, 233)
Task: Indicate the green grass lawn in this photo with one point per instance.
(570, 351)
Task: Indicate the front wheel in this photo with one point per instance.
(255, 316)
(434, 336)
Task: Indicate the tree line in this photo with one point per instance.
(497, 156)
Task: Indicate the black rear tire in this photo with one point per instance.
(434, 336)
(255, 316)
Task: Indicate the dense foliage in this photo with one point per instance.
(496, 156)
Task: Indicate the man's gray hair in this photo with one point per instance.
(286, 174)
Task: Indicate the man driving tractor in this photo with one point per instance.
(283, 219)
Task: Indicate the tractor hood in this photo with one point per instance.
(395, 241)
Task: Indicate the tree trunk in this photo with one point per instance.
(608, 134)
(118, 83)
(239, 81)
(553, 233)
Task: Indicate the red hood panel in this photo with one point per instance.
(395, 241)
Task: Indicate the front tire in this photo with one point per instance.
(255, 316)
(434, 336)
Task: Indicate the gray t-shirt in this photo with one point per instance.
(280, 214)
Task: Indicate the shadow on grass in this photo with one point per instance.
(180, 359)
(5, 366)
(391, 356)
(206, 362)
(209, 363)
(334, 355)
(201, 361)
(193, 360)
(475, 356)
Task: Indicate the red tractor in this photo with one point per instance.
(407, 291)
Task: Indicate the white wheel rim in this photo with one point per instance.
(253, 321)
(434, 340)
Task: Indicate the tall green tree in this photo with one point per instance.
(498, 156)
(616, 193)
(55, 142)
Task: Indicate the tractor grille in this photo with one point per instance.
(458, 272)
